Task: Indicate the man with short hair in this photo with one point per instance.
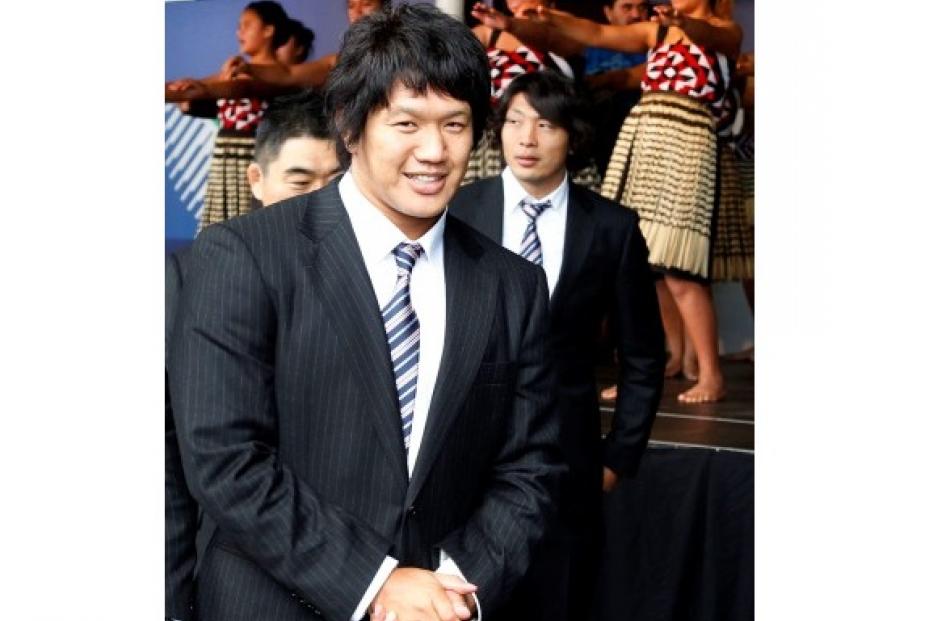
(293, 150)
(595, 261)
(360, 380)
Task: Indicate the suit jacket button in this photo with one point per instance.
(413, 511)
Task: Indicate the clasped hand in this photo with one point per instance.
(411, 594)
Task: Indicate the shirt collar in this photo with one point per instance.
(515, 193)
(376, 235)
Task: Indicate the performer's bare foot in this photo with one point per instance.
(705, 391)
(609, 393)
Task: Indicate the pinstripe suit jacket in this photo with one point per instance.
(283, 391)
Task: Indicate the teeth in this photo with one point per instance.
(425, 178)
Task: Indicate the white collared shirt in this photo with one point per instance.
(377, 236)
(551, 224)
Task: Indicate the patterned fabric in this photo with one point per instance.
(228, 194)
(402, 332)
(693, 71)
(734, 242)
(664, 166)
(241, 115)
(486, 161)
(507, 65)
(531, 243)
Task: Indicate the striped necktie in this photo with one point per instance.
(402, 332)
(531, 243)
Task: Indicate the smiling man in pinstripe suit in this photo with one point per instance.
(359, 379)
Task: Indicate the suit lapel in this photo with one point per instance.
(470, 293)
(577, 240)
(344, 287)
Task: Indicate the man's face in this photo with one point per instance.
(412, 156)
(623, 12)
(303, 165)
(356, 9)
(535, 148)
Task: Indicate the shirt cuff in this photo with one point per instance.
(448, 566)
(389, 564)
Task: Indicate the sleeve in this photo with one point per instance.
(222, 383)
(493, 548)
(641, 353)
(181, 511)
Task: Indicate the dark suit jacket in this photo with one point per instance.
(291, 439)
(181, 510)
(604, 270)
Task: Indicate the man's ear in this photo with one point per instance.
(606, 13)
(255, 177)
(347, 141)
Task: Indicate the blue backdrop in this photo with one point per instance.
(199, 36)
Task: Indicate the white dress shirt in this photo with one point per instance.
(551, 224)
(377, 236)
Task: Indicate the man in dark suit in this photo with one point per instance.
(360, 381)
(594, 258)
(293, 154)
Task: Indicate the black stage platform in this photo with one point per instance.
(679, 534)
(728, 424)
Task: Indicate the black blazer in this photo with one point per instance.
(604, 270)
(291, 440)
(181, 510)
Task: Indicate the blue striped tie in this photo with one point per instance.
(402, 331)
(531, 243)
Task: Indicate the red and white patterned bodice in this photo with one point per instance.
(241, 114)
(691, 70)
(507, 65)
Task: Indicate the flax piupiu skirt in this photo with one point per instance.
(664, 166)
(228, 192)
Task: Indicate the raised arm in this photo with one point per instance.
(721, 35)
(546, 26)
(192, 90)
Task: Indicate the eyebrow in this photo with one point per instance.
(415, 112)
(512, 109)
(298, 170)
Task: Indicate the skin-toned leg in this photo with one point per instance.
(690, 361)
(673, 327)
(694, 302)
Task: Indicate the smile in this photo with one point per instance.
(426, 184)
(425, 178)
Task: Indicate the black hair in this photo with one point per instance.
(272, 14)
(556, 100)
(301, 115)
(302, 36)
(418, 46)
